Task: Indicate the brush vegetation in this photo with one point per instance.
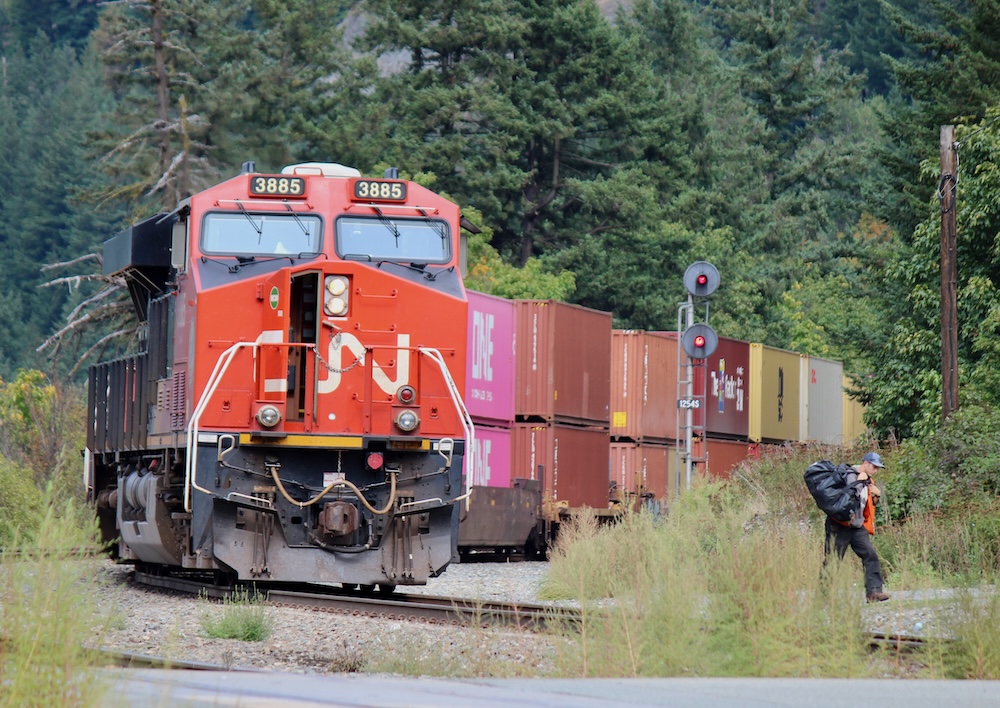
(244, 615)
(729, 583)
(48, 618)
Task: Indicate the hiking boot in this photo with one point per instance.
(878, 596)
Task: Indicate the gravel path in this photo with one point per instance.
(166, 623)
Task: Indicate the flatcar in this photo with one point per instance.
(293, 411)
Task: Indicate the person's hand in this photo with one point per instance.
(862, 476)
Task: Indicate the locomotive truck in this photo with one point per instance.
(293, 411)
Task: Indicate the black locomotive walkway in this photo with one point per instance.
(256, 690)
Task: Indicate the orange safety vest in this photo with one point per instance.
(868, 515)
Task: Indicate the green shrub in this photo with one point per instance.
(244, 616)
(21, 504)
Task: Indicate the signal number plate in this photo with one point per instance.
(378, 190)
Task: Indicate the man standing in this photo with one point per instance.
(857, 533)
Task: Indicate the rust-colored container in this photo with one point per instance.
(825, 402)
(643, 468)
(728, 391)
(643, 386)
(563, 363)
(570, 462)
(722, 456)
(775, 389)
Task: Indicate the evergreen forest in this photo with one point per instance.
(600, 146)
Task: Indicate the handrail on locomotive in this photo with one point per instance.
(222, 365)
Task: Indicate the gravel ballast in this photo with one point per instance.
(166, 623)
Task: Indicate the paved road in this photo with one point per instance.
(256, 690)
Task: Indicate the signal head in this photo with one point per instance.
(701, 279)
(699, 341)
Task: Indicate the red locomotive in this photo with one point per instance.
(294, 412)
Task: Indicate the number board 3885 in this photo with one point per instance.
(277, 186)
(379, 190)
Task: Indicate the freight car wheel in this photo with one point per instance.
(386, 589)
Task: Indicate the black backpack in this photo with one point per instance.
(827, 483)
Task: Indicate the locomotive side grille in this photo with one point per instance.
(118, 409)
(176, 396)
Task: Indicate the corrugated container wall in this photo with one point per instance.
(826, 400)
(643, 468)
(643, 385)
(854, 412)
(775, 384)
(723, 456)
(728, 390)
(563, 363)
(489, 370)
(491, 457)
(570, 462)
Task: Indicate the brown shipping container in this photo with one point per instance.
(723, 456)
(643, 386)
(775, 386)
(563, 363)
(570, 462)
(637, 468)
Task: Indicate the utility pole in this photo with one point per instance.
(949, 273)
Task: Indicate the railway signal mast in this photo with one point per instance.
(698, 342)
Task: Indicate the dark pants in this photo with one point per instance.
(839, 537)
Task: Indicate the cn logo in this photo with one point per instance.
(345, 349)
(482, 346)
(481, 462)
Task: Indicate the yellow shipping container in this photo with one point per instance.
(775, 394)
(854, 422)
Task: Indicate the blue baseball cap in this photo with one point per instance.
(874, 458)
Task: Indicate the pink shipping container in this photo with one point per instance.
(643, 468)
(570, 462)
(491, 457)
(563, 363)
(489, 369)
(643, 385)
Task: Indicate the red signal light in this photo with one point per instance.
(406, 394)
(699, 341)
(702, 279)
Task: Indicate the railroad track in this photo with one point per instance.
(430, 609)
(401, 606)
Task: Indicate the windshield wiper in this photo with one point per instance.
(298, 221)
(387, 222)
(258, 229)
(418, 267)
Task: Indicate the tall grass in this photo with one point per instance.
(729, 583)
(719, 587)
(48, 616)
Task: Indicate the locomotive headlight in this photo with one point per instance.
(268, 416)
(336, 306)
(336, 295)
(407, 421)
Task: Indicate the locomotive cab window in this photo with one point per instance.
(249, 234)
(390, 239)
